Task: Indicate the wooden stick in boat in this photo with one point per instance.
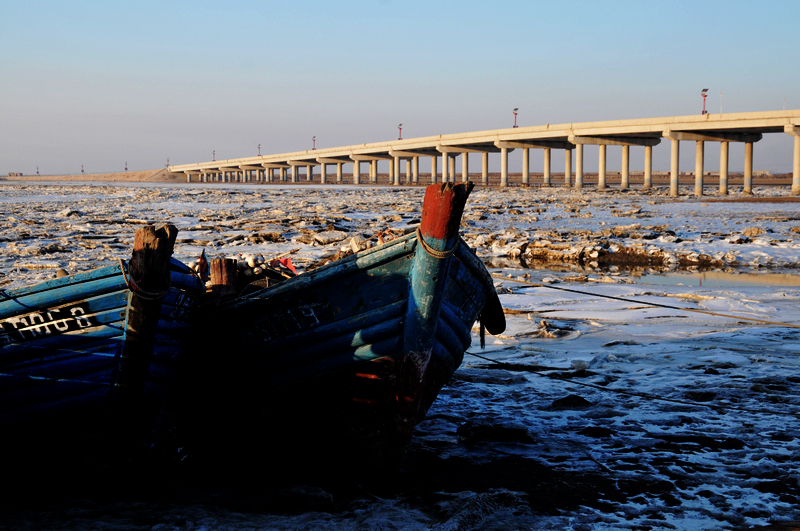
(223, 276)
(284, 254)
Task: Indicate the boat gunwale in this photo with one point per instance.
(363, 260)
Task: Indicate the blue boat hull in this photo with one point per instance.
(340, 353)
(61, 345)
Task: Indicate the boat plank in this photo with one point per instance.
(52, 298)
(332, 346)
(60, 283)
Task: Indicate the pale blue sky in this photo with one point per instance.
(100, 83)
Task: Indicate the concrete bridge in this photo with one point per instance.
(747, 128)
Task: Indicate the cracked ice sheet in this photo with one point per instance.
(660, 465)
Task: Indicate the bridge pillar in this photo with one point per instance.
(648, 167)
(295, 172)
(323, 174)
(748, 167)
(504, 167)
(465, 167)
(433, 169)
(723, 168)
(674, 157)
(625, 178)
(485, 168)
(699, 162)
(339, 172)
(392, 173)
(567, 168)
(409, 162)
(526, 166)
(396, 164)
(796, 166)
(309, 173)
(794, 130)
(452, 169)
(356, 172)
(579, 166)
(546, 179)
(415, 170)
(601, 166)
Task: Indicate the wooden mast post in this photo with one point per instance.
(148, 281)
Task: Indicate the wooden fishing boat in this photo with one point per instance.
(346, 359)
(94, 351)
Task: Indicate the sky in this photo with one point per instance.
(99, 84)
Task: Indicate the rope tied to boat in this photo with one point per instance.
(440, 255)
(134, 287)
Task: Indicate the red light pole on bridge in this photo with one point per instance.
(515, 116)
(314, 144)
(259, 150)
(400, 133)
(704, 92)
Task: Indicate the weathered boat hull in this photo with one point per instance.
(63, 342)
(355, 352)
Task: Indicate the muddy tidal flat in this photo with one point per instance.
(648, 377)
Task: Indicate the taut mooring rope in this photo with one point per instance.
(654, 304)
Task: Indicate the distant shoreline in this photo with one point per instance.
(162, 175)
